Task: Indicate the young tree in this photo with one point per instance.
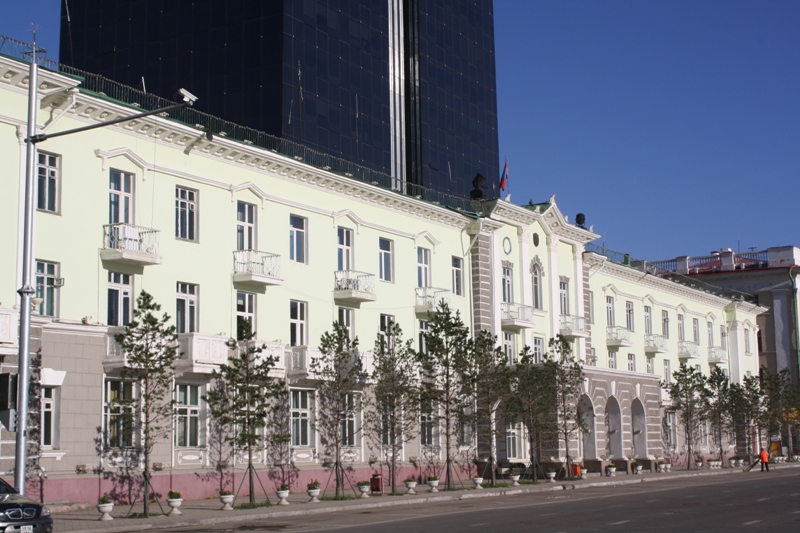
(488, 382)
(690, 398)
(149, 345)
(745, 401)
(249, 397)
(443, 366)
(719, 405)
(568, 374)
(340, 378)
(533, 400)
(391, 417)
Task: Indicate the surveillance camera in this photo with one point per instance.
(188, 97)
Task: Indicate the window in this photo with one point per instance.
(186, 308)
(536, 284)
(665, 324)
(723, 336)
(245, 226)
(629, 315)
(187, 413)
(423, 331)
(386, 256)
(508, 348)
(458, 276)
(746, 340)
(508, 288)
(590, 315)
(667, 373)
(538, 349)
(631, 362)
(648, 320)
(563, 297)
(465, 433)
(297, 239)
(681, 332)
(186, 214)
(347, 319)
(423, 267)
(46, 289)
(344, 249)
(49, 418)
(591, 358)
(710, 328)
(650, 366)
(120, 198)
(118, 417)
(698, 368)
(696, 330)
(347, 424)
(119, 298)
(514, 440)
(671, 421)
(297, 323)
(301, 417)
(245, 311)
(48, 188)
(428, 436)
(610, 311)
(612, 359)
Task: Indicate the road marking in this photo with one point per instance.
(482, 524)
(618, 523)
(762, 500)
(795, 494)
(547, 514)
(795, 512)
(650, 501)
(751, 523)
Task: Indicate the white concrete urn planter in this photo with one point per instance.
(612, 471)
(364, 491)
(410, 486)
(668, 466)
(174, 504)
(637, 469)
(477, 481)
(282, 495)
(313, 493)
(698, 464)
(737, 462)
(434, 484)
(105, 509)
(226, 500)
(662, 467)
(515, 480)
(551, 476)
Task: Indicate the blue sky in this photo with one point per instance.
(673, 125)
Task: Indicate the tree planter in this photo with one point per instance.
(282, 495)
(226, 500)
(477, 481)
(313, 493)
(364, 490)
(611, 470)
(637, 469)
(698, 464)
(515, 481)
(434, 483)
(174, 504)
(410, 486)
(737, 462)
(662, 468)
(551, 476)
(106, 509)
(668, 466)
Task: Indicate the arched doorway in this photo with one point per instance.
(639, 423)
(614, 428)
(586, 415)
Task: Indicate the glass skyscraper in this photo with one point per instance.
(404, 87)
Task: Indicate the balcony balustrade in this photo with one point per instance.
(201, 354)
(429, 299)
(573, 327)
(257, 268)
(688, 350)
(129, 244)
(655, 343)
(717, 354)
(516, 316)
(354, 286)
(115, 357)
(617, 336)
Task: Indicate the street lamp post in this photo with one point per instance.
(27, 290)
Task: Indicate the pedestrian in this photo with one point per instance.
(764, 457)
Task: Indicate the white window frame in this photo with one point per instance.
(347, 317)
(563, 297)
(610, 311)
(120, 200)
(747, 341)
(629, 320)
(648, 320)
(298, 243)
(188, 296)
(246, 309)
(186, 201)
(723, 336)
(612, 360)
(509, 347)
(428, 426)
(665, 323)
(515, 440)
(386, 259)
(350, 422)
(631, 362)
(536, 288)
(458, 275)
(710, 328)
(696, 330)
(246, 226)
(538, 350)
(188, 416)
(298, 323)
(120, 288)
(48, 182)
(345, 259)
(650, 365)
(508, 285)
(667, 372)
(423, 267)
(302, 404)
(114, 416)
(424, 328)
(49, 417)
(681, 328)
(47, 272)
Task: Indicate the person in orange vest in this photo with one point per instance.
(764, 457)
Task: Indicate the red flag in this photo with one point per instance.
(504, 177)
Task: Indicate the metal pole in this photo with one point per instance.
(27, 290)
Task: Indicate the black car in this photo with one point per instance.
(20, 514)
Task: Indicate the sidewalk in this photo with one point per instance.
(200, 512)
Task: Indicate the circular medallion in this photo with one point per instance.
(536, 239)
(507, 245)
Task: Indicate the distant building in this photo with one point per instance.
(403, 87)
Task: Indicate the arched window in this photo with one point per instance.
(536, 284)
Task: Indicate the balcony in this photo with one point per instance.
(665, 397)
(115, 357)
(688, 350)
(717, 355)
(9, 328)
(201, 354)
(516, 316)
(299, 361)
(354, 286)
(618, 337)
(655, 343)
(129, 244)
(256, 268)
(429, 299)
(573, 327)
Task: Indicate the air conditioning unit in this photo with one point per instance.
(59, 282)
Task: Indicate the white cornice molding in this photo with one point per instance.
(558, 224)
(514, 215)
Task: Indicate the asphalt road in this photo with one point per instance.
(745, 502)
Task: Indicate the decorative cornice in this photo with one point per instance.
(558, 224)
